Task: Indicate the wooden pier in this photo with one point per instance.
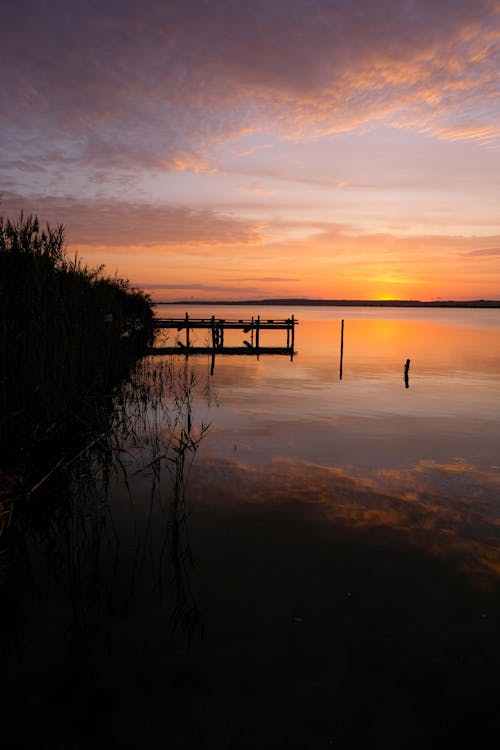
(218, 326)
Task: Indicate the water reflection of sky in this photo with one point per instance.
(272, 406)
(422, 457)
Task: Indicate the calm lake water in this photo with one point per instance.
(272, 556)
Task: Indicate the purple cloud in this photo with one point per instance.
(118, 223)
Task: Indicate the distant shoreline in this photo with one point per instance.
(299, 302)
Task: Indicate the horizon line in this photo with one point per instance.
(306, 301)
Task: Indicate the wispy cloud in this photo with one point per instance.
(189, 162)
(486, 252)
(120, 223)
(189, 288)
(266, 279)
(256, 189)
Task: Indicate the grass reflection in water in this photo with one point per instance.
(96, 563)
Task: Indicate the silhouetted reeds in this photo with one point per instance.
(68, 332)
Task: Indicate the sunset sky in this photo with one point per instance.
(240, 149)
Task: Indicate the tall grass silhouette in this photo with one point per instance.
(67, 333)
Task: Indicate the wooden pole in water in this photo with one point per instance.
(257, 331)
(407, 368)
(293, 332)
(213, 332)
(187, 331)
(341, 348)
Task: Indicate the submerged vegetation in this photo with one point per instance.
(69, 333)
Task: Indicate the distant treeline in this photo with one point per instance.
(67, 333)
(301, 302)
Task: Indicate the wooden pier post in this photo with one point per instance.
(257, 332)
(341, 349)
(293, 333)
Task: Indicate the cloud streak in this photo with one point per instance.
(494, 251)
(120, 223)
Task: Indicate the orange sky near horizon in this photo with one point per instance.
(251, 150)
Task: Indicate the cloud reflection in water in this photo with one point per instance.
(446, 510)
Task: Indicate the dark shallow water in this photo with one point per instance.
(322, 571)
